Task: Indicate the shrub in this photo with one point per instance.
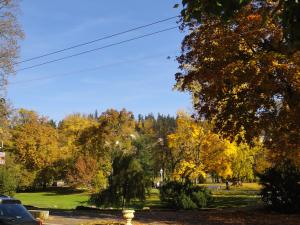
(281, 187)
(184, 195)
(199, 199)
(8, 182)
(184, 201)
(106, 198)
(170, 191)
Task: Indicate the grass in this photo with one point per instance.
(237, 196)
(62, 198)
(54, 198)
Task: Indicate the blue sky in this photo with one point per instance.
(135, 75)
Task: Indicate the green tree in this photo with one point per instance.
(128, 182)
(10, 176)
(162, 157)
(144, 146)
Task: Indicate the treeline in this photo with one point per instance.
(83, 150)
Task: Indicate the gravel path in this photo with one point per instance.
(209, 217)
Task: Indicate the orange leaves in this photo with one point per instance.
(254, 17)
(247, 77)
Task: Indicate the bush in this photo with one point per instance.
(106, 198)
(199, 198)
(184, 195)
(281, 187)
(8, 182)
(184, 201)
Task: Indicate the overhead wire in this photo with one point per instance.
(87, 69)
(97, 49)
(96, 40)
(107, 46)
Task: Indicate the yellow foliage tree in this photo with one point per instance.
(70, 129)
(35, 141)
(196, 150)
(217, 155)
(185, 145)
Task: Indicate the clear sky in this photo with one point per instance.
(135, 75)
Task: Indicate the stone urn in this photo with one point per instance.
(40, 214)
(128, 214)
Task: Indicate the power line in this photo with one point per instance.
(129, 40)
(88, 69)
(96, 40)
(97, 49)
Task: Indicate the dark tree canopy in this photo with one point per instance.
(285, 11)
(241, 76)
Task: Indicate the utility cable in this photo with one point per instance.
(96, 40)
(90, 69)
(97, 49)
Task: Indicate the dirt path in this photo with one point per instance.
(211, 217)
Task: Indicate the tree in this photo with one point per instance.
(10, 34)
(127, 182)
(145, 150)
(287, 12)
(35, 142)
(163, 126)
(217, 156)
(70, 129)
(185, 145)
(249, 83)
(9, 176)
(197, 151)
(83, 171)
(243, 162)
(150, 144)
(4, 122)
(113, 133)
(281, 187)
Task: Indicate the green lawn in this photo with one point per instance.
(237, 196)
(54, 199)
(246, 195)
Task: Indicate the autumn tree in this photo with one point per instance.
(10, 34)
(70, 129)
(35, 142)
(113, 133)
(185, 146)
(83, 171)
(217, 156)
(197, 151)
(241, 75)
(287, 12)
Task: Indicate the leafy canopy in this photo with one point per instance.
(242, 77)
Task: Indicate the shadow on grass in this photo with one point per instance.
(57, 191)
(224, 201)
